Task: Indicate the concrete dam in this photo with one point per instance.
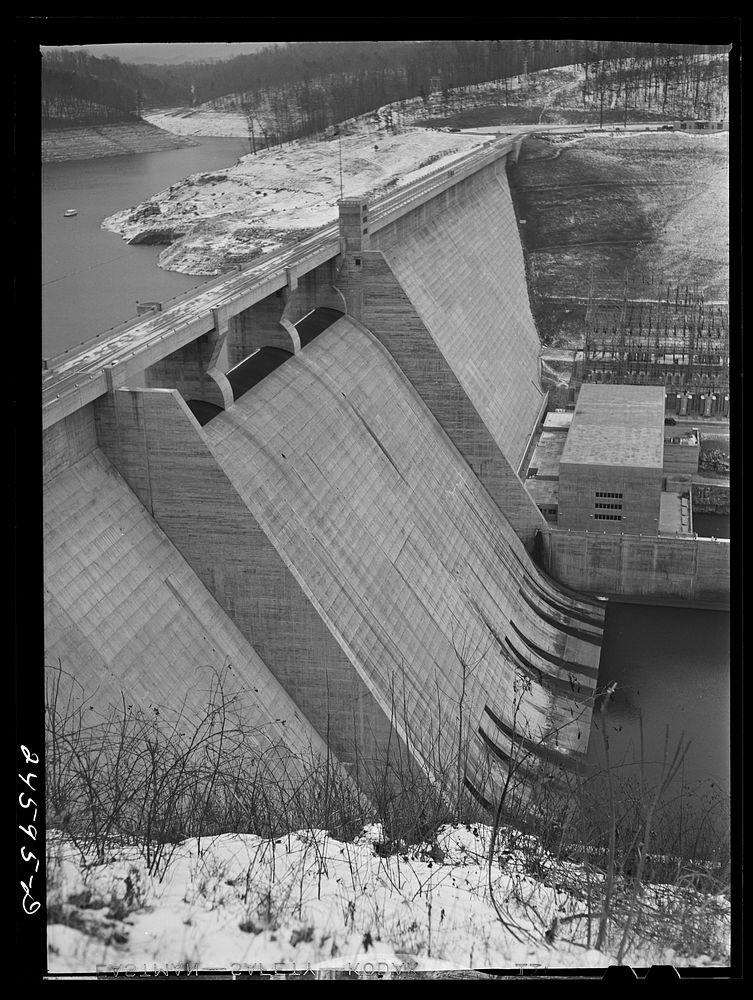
(309, 473)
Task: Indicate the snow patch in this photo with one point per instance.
(308, 900)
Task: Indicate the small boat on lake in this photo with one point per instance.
(70, 212)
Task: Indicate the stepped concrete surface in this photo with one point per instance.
(124, 612)
(422, 582)
(464, 273)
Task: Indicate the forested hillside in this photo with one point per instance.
(81, 89)
(301, 88)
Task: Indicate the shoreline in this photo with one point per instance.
(91, 142)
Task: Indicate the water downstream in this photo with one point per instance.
(92, 279)
(672, 668)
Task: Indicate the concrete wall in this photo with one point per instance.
(638, 505)
(316, 288)
(460, 263)
(334, 522)
(401, 551)
(445, 292)
(68, 440)
(124, 613)
(389, 313)
(679, 456)
(682, 570)
(153, 439)
(188, 371)
(258, 326)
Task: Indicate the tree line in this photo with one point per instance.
(86, 89)
(661, 79)
(303, 87)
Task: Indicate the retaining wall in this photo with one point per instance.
(641, 566)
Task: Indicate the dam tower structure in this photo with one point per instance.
(309, 471)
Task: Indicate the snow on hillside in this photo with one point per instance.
(228, 217)
(561, 88)
(307, 900)
(201, 121)
(214, 221)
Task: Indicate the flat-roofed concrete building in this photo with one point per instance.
(610, 474)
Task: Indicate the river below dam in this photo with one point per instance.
(671, 667)
(92, 279)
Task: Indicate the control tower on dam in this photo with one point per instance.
(318, 484)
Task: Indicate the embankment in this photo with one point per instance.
(693, 571)
(652, 204)
(92, 141)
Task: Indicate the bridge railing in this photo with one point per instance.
(134, 321)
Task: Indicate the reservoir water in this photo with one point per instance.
(92, 279)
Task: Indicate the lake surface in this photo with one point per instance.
(672, 667)
(92, 279)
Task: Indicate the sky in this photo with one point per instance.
(165, 52)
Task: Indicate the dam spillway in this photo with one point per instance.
(351, 527)
(124, 612)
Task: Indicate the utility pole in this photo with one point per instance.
(340, 148)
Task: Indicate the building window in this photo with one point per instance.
(358, 261)
(608, 506)
(608, 517)
(608, 496)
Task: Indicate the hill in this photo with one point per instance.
(81, 89)
(609, 200)
(599, 207)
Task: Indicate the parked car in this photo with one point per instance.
(669, 421)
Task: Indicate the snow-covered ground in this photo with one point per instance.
(271, 198)
(306, 900)
(217, 220)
